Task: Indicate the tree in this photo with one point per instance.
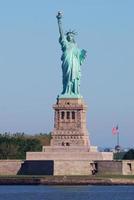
(129, 155)
(15, 146)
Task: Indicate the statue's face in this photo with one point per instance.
(70, 37)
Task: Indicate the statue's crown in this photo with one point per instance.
(71, 32)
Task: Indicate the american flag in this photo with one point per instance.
(115, 130)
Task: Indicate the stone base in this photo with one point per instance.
(70, 123)
(63, 149)
(68, 167)
(69, 156)
(70, 150)
(67, 162)
(70, 160)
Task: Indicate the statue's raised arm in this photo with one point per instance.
(59, 17)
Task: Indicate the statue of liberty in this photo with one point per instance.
(72, 59)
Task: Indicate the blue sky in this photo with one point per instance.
(30, 66)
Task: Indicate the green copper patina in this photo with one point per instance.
(72, 59)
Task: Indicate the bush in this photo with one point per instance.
(15, 146)
(129, 155)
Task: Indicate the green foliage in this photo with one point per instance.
(118, 155)
(129, 155)
(15, 146)
(44, 138)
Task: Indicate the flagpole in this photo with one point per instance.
(115, 131)
(118, 141)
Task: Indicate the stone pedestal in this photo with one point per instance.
(70, 148)
(70, 123)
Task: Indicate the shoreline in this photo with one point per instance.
(65, 180)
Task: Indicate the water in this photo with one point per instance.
(66, 192)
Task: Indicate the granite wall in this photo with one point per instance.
(124, 167)
(128, 167)
(10, 167)
(65, 167)
(69, 167)
(109, 167)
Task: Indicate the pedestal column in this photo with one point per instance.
(70, 123)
